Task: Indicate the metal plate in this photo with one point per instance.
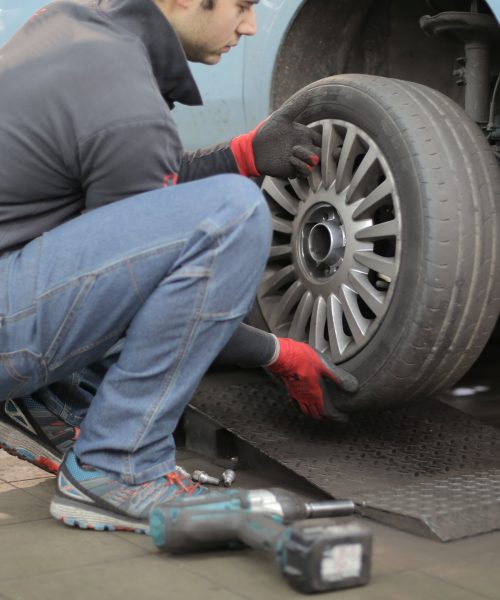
(428, 468)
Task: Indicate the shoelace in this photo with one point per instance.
(175, 479)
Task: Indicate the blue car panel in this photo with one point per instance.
(236, 92)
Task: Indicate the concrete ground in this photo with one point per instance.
(41, 559)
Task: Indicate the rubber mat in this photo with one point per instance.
(428, 468)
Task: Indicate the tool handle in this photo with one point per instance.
(179, 530)
(175, 531)
(261, 532)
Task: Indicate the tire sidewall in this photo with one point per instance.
(332, 100)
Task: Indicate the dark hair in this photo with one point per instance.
(208, 4)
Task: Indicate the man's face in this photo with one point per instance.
(206, 33)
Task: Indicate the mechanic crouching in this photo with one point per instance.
(116, 243)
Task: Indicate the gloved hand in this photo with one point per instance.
(310, 379)
(279, 146)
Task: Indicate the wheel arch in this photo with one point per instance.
(382, 37)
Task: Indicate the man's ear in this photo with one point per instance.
(168, 7)
(185, 3)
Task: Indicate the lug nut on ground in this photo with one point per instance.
(182, 472)
(203, 477)
(228, 477)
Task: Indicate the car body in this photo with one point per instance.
(238, 92)
(241, 74)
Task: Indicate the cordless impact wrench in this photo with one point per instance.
(315, 556)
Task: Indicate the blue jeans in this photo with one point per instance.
(174, 271)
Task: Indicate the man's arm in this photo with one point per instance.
(206, 162)
(279, 146)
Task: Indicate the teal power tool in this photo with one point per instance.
(315, 556)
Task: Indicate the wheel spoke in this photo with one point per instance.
(301, 188)
(282, 225)
(364, 169)
(278, 280)
(373, 298)
(374, 200)
(337, 337)
(315, 180)
(346, 161)
(357, 323)
(298, 328)
(378, 232)
(276, 188)
(328, 164)
(380, 264)
(281, 311)
(280, 252)
(318, 323)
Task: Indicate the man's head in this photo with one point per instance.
(209, 28)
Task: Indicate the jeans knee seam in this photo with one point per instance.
(68, 318)
(218, 232)
(134, 281)
(108, 268)
(115, 333)
(18, 316)
(166, 385)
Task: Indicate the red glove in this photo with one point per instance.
(307, 374)
(279, 146)
(242, 149)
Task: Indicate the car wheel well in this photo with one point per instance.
(381, 37)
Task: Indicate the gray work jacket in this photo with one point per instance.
(86, 90)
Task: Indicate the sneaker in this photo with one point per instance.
(31, 432)
(90, 499)
(310, 378)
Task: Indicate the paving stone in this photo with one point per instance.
(43, 488)
(253, 576)
(143, 541)
(17, 506)
(246, 572)
(147, 578)
(14, 469)
(408, 585)
(47, 547)
(396, 551)
(479, 573)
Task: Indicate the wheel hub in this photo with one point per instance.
(323, 241)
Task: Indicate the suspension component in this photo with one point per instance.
(479, 33)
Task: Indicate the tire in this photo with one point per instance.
(416, 328)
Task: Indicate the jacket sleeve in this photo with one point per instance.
(128, 159)
(213, 160)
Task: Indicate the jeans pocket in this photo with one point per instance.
(20, 373)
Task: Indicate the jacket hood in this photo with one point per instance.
(170, 67)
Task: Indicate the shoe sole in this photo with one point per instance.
(15, 443)
(76, 514)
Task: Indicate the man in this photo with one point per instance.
(110, 235)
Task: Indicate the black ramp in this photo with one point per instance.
(428, 468)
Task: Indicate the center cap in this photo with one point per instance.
(327, 243)
(323, 241)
